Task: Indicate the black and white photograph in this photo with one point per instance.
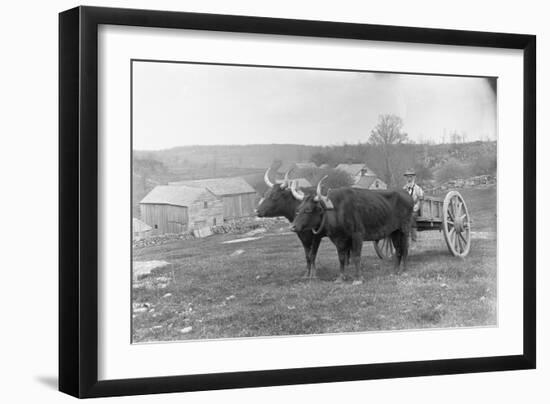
(270, 201)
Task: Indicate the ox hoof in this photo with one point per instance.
(357, 282)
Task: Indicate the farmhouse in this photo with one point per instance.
(370, 182)
(238, 197)
(176, 209)
(363, 176)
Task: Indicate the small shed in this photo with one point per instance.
(238, 197)
(178, 208)
(140, 229)
(370, 182)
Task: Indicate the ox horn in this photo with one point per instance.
(299, 195)
(266, 179)
(286, 180)
(319, 196)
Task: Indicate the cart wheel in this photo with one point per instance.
(456, 224)
(384, 248)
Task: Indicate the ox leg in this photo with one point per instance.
(307, 251)
(356, 247)
(312, 256)
(397, 240)
(343, 254)
(404, 249)
(306, 243)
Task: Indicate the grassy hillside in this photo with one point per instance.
(254, 287)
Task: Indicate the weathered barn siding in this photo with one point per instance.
(238, 196)
(201, 216)
(169, 209)
(242, 205)
(165, 218)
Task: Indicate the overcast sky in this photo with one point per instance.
(179, 104)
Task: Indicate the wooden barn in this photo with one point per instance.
(176, 209)
(238, 197)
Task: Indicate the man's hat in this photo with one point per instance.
(410, 171)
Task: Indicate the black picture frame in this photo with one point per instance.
(78, 200)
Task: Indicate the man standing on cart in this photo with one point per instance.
(417, 194)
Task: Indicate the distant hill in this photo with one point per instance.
(212, 158)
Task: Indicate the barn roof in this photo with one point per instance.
(221, 186)
(178, 195)
(139, 226)
(354, 169)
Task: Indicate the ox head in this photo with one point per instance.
(277, 199)
(310, 214)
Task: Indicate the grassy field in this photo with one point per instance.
(254, 288)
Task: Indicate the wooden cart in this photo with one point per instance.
(449, 215)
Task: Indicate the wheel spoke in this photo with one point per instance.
(454, 203)
(458, 244)
(452, 209)
(463, 239)
(452, 236)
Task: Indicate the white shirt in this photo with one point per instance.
(416, 192)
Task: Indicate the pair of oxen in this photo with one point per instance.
(347, 216)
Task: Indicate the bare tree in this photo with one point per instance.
(387, 133)
(455, 137)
